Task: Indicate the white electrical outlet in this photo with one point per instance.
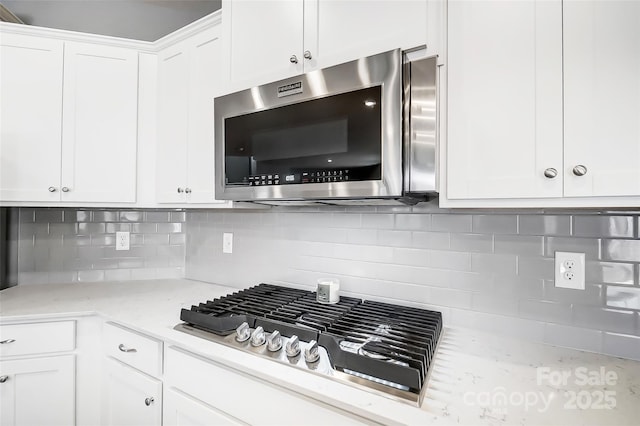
(122, 241)
(570, 270)
(227, 242)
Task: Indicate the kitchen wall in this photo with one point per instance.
(491, 270)
(67, 245)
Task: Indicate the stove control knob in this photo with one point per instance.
(274, 342)
(311, 353)
(293, 346)
(243, 332)
(258, 338)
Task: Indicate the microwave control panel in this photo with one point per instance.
(316, 176)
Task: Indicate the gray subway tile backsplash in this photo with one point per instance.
(66, 245)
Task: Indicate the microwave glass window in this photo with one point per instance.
(332, 139)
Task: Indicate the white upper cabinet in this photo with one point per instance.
(264, 40)
(543, 104)
(504, 99)
(341, 31)
(99, 123)
(191, 75)
(173, 116)
(602, 97)
(275, 39)
(30, 118)
(69, 121)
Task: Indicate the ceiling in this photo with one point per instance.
(146, 20)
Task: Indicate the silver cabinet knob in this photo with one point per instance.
(307, 54)
(4, 379)
(187, 190)
(293, 346)
(293, 59)
(311, 353)
(52, 189)
(123, 348)
(257, 337)
(242, 332)
(65, 189)
(550, 173)
(579, 170)
(274, 342)
(180, 190)
(149, 401)
(7, 341)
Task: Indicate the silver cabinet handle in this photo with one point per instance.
(550, 173)
(52, 189)
(187, 190)
(123, 348)
(307, 54)
(4, 379)
(180, 190)
(148, 401)
(65, 189)
(4, 342)
(293, 59)
(579, 170)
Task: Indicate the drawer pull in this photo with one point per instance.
(123, 348)
(4, 379)
(4, 342)
(148, 401)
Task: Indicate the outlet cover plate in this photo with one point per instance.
(570, 270)
(122, 241)
(227, 242)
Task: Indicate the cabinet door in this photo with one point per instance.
(99, 123)
(38, 391)
(130, 397)
(30, 117)
(182, 410)
(341, 31)
(173, 120)
(261, 37)
(208, 78)
(602, 97)
(504, 99)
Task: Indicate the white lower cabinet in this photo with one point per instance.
(38, 391)
(130, 397)
(225, 389)
(182, 410)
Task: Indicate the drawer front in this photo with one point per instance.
(37, 338)
(231, 393)
(132, 348)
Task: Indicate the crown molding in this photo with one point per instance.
(189, 30)
(142, 46)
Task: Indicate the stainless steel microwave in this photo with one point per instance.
(364, 131)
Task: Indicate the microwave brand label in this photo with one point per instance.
(290, 89)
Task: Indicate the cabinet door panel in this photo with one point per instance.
(38, 391)
(99, 123)
(208, 79)
(30, 117)
(125, 393)
(341, 31)
(173, 120)
(504, 99)
(261, 37)
(182, 410)
(602, 97)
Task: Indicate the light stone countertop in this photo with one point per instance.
(477, 378)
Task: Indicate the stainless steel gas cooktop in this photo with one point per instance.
(384, 347)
